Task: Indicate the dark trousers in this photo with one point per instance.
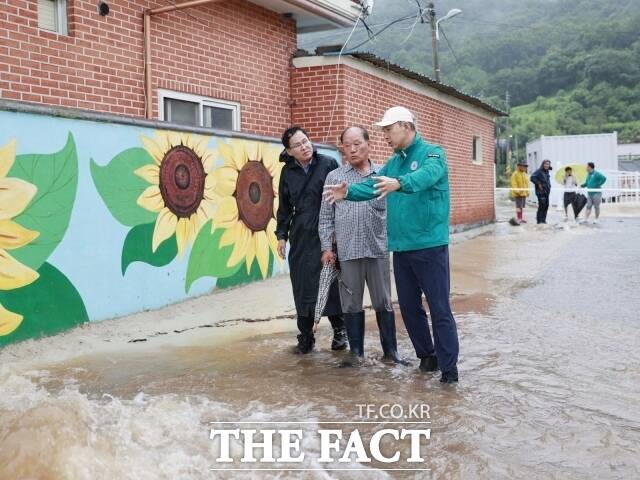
(305, 324)
(568, 199)
(427, 271)
(543, 207)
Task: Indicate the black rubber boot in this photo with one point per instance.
(450, 376)
(339, 341)
(355, 331)
(305, 343)
(306, 339)
(387, 326)
(429, 364)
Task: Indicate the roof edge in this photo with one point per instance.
(385, 65)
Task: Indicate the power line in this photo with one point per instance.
(381, 30)
(183, 11)
(526, 27)
(370, 34)
(450, 47)
(335, 100)
(418, 16)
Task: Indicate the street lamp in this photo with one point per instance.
(435, 35)
(452, 13)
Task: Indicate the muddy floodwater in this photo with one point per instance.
(549, 323)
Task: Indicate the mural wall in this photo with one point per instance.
(100, 220)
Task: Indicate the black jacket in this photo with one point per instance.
(300, 197)
(542, 181)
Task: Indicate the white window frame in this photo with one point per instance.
(202, 102)
(478, 147)
(61, 22)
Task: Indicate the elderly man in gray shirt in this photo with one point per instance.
(360, 231)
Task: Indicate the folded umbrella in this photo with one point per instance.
(578, 203)
(328, 275)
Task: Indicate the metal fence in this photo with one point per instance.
(620, 187)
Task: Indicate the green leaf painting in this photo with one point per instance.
(241, 276)
(120, 188)
(137, 248)
(49, 305)
(207, 258)
(56, 178)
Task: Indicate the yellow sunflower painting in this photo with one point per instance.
(15, 195)
(247, 187)
(181, 186)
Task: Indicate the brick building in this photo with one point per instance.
(234, 52)
(230, 65)
(327, 98)
(139, 144)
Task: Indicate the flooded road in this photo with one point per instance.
(549, 387)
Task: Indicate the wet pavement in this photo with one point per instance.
(549, 379)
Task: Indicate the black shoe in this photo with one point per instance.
(429, 364)
(339, 341)
(395, 357)
(387, 327)
(352, 361)
(306, 341)
(450, 376)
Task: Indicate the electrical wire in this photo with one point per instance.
(335, 100)
(360, 18)
(182, 10)
(418, 16)
(444, 35)
(387, 26)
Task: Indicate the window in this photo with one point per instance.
(195, 111)
(477, 150)
(52, 15)
(181, 111)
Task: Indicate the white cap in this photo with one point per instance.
(396, 114)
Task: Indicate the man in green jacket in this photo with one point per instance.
(594, 180)
(416, 181)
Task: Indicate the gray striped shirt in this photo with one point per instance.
(360, 228)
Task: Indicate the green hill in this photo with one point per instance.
(569, 66)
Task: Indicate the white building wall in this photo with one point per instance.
(561, 150)
(628, 149)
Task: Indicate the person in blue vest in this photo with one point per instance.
(415, 181)
(594, 180)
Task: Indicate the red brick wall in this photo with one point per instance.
(363, 98)
(233, 50)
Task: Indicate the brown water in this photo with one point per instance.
(550, 384)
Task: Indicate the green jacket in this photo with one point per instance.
(418, 213)
(594, 180)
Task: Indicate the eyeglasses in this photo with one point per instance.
(303, 143)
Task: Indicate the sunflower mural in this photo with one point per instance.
(15, 195)
(178, 195)
(181, 187)
(247, 185)
(37, 193)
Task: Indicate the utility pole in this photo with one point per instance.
(507, 99)
(434, 41)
